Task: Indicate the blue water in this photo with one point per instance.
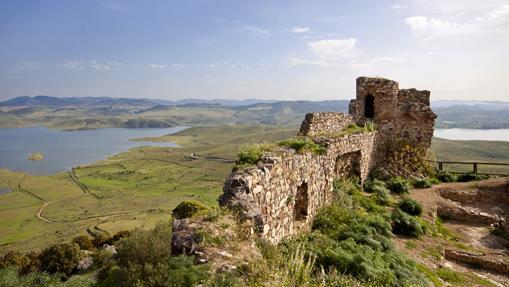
(4, 190)
(65, 149)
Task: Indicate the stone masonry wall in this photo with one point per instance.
(324, 123)
(282, 194)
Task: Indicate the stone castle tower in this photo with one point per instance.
(281, 194)
(400, 115)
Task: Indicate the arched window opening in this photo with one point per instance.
(300, 210)
(369, 107)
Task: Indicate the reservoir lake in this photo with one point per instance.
(65, 149)
(473, 134)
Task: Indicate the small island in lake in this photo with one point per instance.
(35, 156)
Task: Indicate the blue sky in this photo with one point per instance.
(252, 49)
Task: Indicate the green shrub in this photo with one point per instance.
(84, 242)
(251, 154)
(399, 185)
(434, 181)
(62, 258)
(100, 239)
(403, 223)
(187, 209)
(9, 277)
(423, 183)
(373, 185)
(410, 206)
(14, 258)
(121, 234)
(445, 176)
(382, 196)
(144, 259)
(303, 144)
(450, 275)
(370, 126)
(465, 177)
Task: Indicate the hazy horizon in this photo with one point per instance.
(289, 50)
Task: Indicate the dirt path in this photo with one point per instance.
(41, 209)
(195, 156)
(461, 234)
(45, 203)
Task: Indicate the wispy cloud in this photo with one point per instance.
(333, 19)
(422, 23)
(166, 66)
(331, 52)
(398, 6)
(97, 65)
(495, 20)
(298, 30)
(253, 30)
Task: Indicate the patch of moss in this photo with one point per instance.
(187, 209)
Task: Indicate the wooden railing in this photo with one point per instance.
(475, 166)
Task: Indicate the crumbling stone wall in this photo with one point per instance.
(282, 193)
(324, 123)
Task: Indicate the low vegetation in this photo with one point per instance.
(187, 209)
(303, 144)
(399, 185)
(410, 206)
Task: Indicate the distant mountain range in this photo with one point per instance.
(95, 112)
(55, 102)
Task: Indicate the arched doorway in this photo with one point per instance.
(300, 210)
(369, 107)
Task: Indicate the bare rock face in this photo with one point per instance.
(451, 210)
(184, 239)
(225, 244)
(493, 263)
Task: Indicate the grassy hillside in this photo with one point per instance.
(139, 187)
(481, 151)
(135, 188)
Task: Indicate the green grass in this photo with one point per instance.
(483, 151)
(140, 187)
(132, 189)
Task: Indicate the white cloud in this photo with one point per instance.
(422, 22)
(397, 6)
(253, 30)
(298, 30)
(166, 67)
(334, 50)
(502, 11)
(490, 21)
(218, 20)
(327, 53)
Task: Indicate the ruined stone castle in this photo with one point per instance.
(282, 193)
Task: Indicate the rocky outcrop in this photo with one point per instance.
(493, 263)
(224, 243)
(450, 210)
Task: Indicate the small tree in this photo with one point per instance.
(83, 242)
(62, 257)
